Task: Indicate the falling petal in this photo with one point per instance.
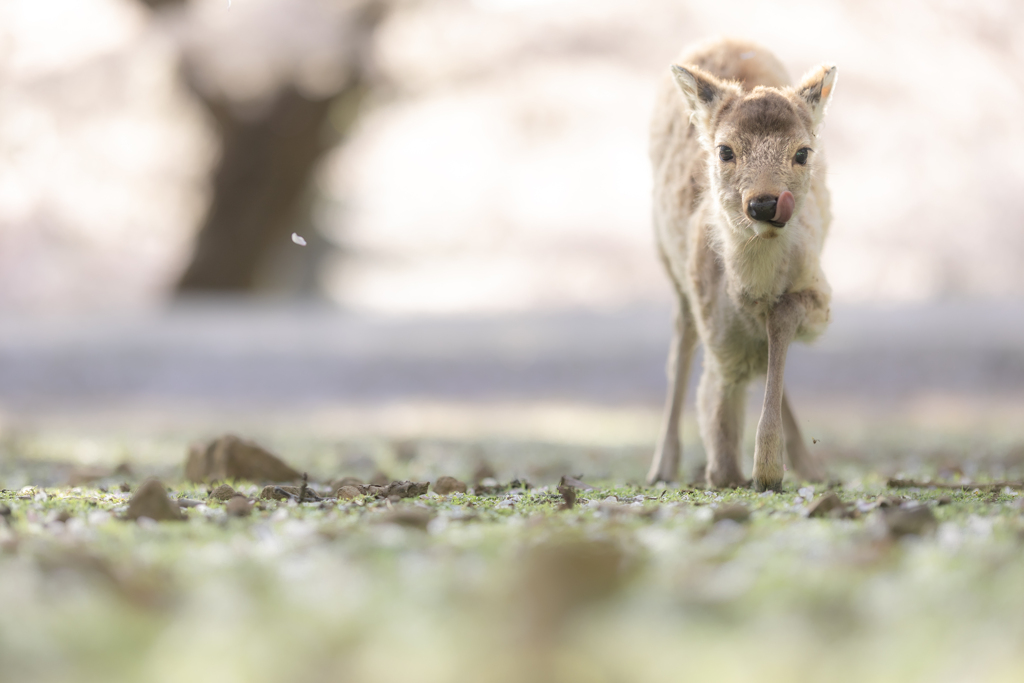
(298, 239)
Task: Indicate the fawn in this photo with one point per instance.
(741, 211)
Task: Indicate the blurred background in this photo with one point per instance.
(470, 178)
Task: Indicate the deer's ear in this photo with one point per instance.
(703, 93)
(816, 90)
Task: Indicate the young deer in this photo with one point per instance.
(741, 212)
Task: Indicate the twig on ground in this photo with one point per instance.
(568, 497)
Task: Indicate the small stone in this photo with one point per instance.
(825, 505)
(447, 485)
(238, 506)
(944, 500)
(222, 492)
(151, 500)
(910, 521)
(737, 512)
(347, 481)
(349, 492)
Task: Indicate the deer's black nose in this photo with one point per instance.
(762, 208)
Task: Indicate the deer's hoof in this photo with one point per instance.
(767, 483)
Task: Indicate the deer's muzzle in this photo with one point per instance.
(774, 210)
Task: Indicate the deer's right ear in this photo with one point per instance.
(703, 93)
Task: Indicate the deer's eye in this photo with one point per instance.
(725, 153)
(801, 155)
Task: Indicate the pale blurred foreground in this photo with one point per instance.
(631, 584)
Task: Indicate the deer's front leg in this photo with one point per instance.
(783, 321)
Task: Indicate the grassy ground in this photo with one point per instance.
(630, 584)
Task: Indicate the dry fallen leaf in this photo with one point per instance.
(239, 506)
(346, 481)
(564, 573)
(447, 485)
(143, 587)
(483, 471)
(348, 492)
(412, 517)
(272, 492)
(379, 479)
(62, 516)
(910, 521)
(576, 483)
(86, 474)
(151, 500)
(230, 457)
(737, 512)
(222, 492)
(398, 489)
(825, 505)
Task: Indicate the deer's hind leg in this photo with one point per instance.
(665, 466)
(721, 401)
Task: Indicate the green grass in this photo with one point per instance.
(509, 587)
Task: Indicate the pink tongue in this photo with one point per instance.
(784, 207)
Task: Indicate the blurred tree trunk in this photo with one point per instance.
(266, 163)
(268, 155)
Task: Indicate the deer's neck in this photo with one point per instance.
(757, 268)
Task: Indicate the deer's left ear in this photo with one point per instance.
(816, 90)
